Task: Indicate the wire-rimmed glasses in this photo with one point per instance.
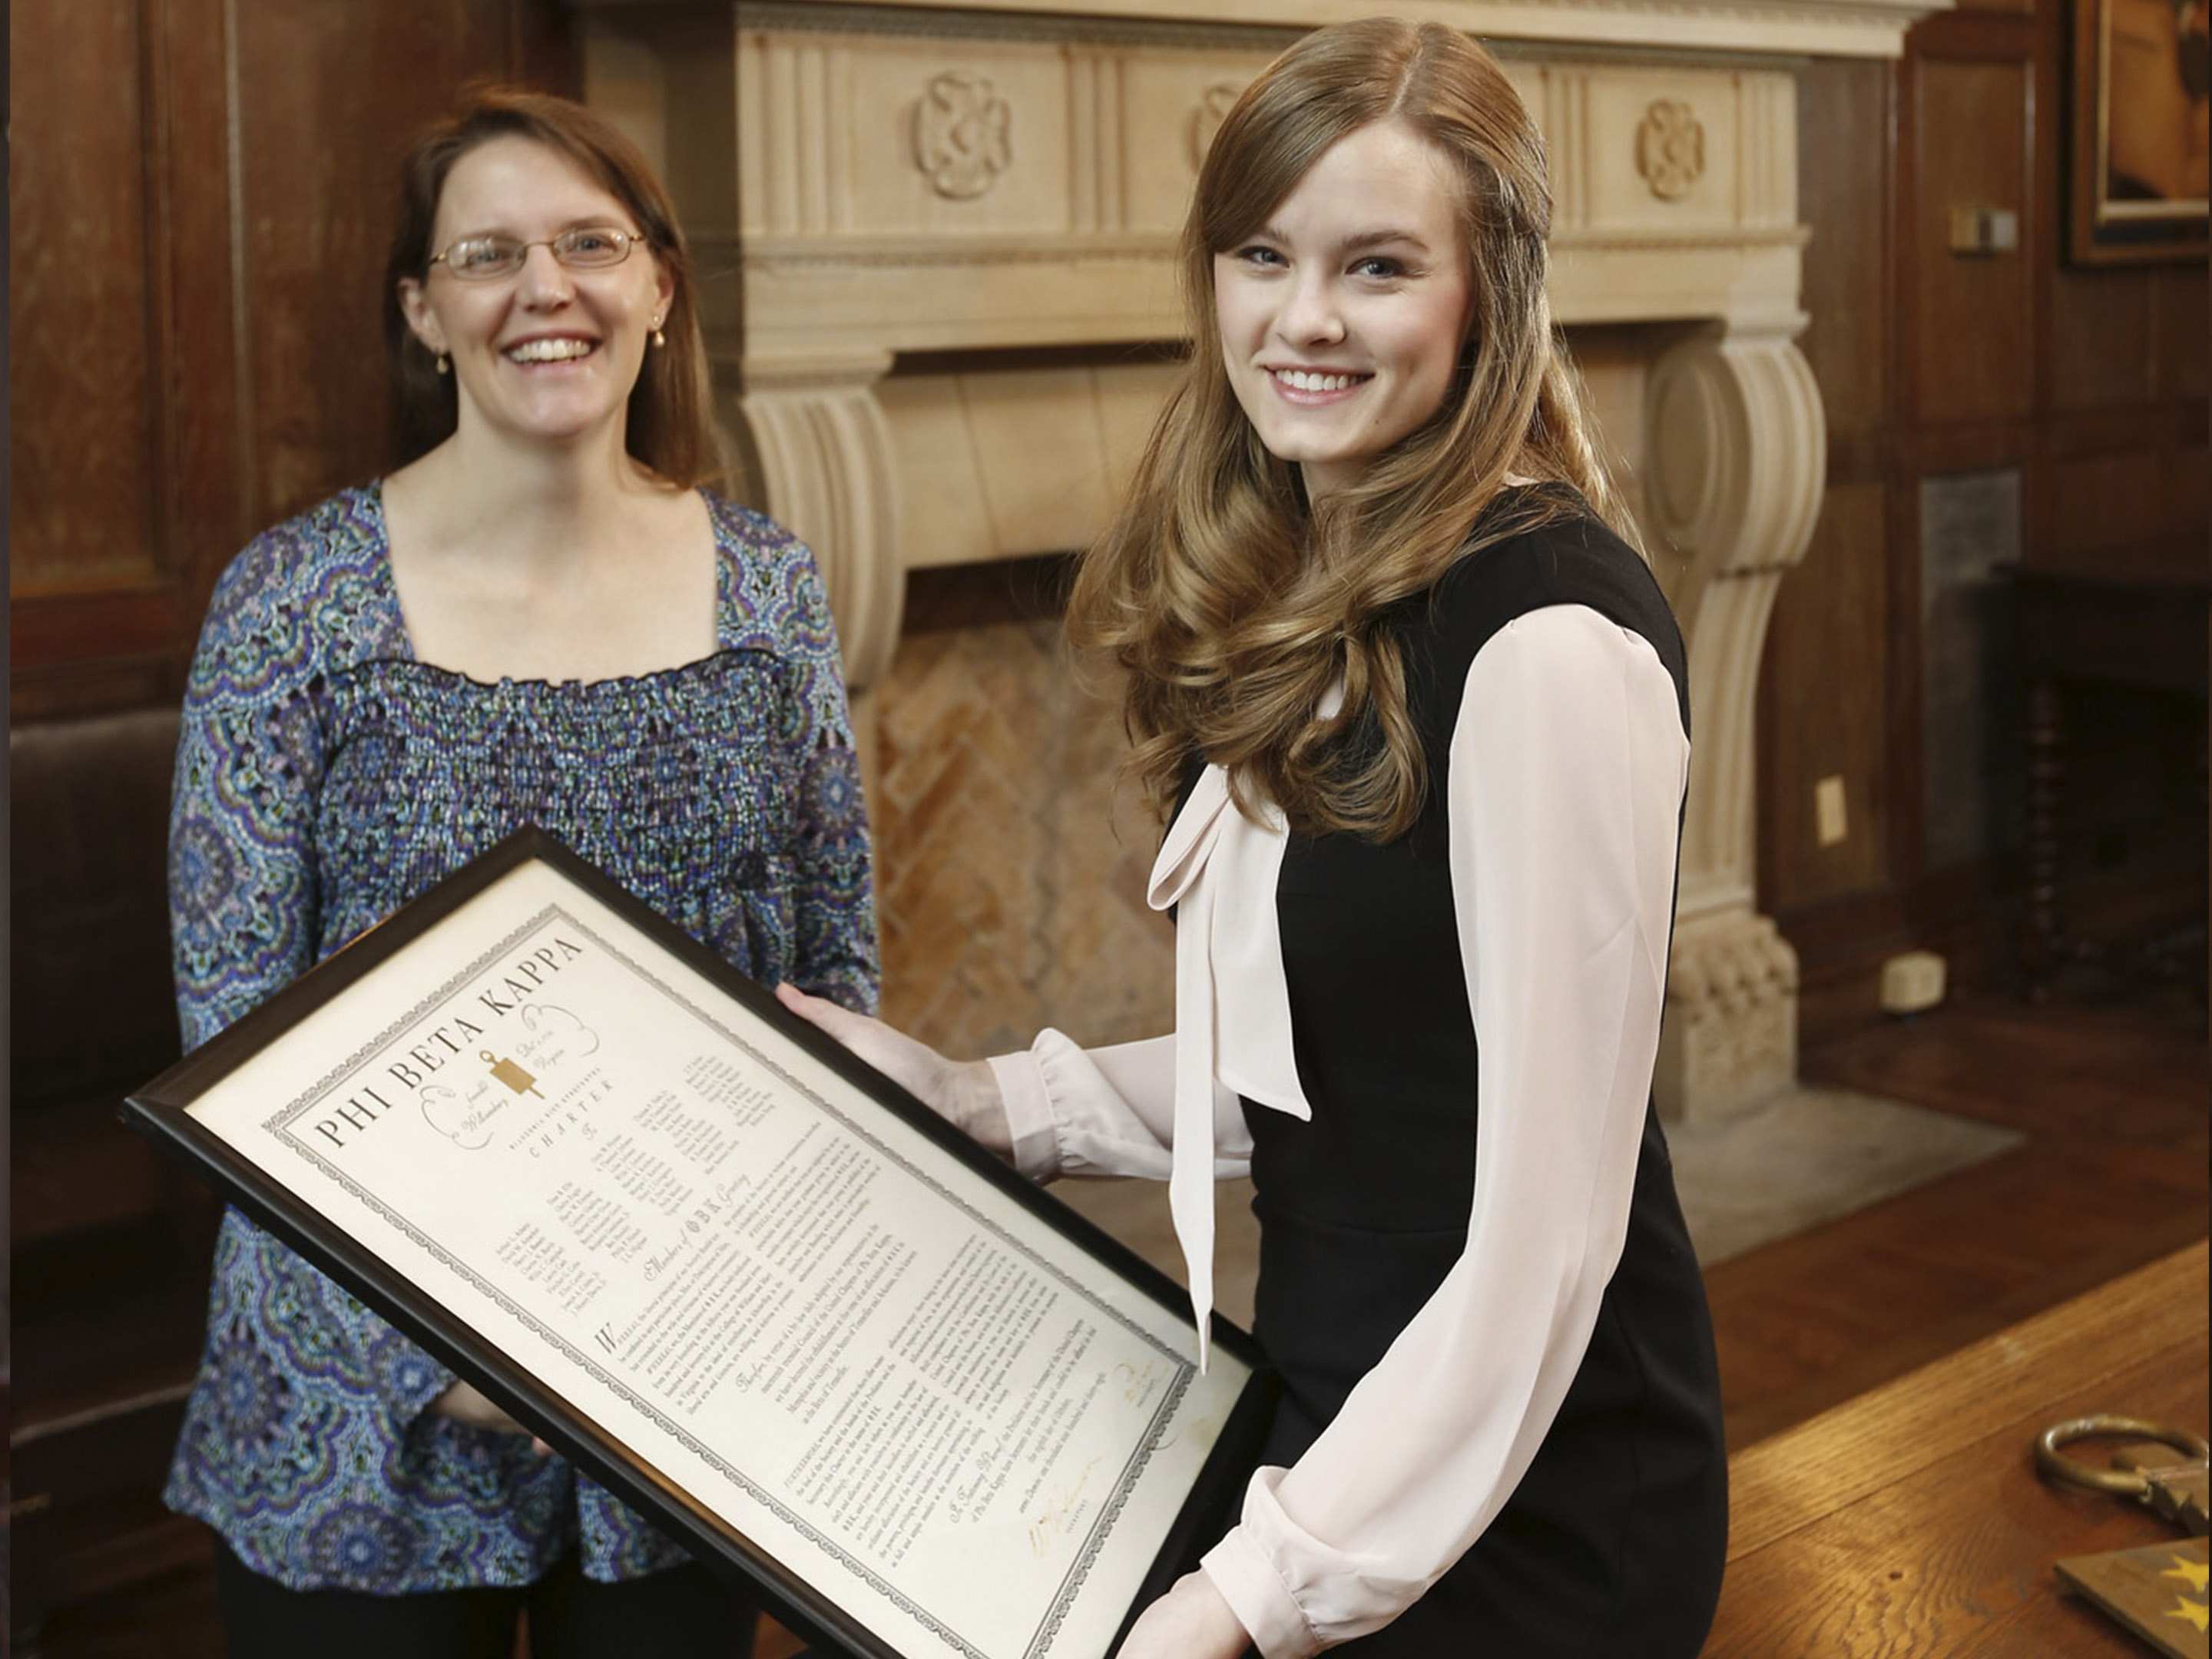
(488, 259)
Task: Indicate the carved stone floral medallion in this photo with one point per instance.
(963, 135)
(1670, 148)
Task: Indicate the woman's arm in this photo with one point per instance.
(834, 906)
(243, 901)
(1108, 1111)
(1055, 1108)
(1568, 766)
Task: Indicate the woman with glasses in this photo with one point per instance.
(1415, 713)
(538, 617)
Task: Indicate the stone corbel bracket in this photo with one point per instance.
(1735, 463)
(825, 460)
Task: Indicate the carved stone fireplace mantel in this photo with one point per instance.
(937, 252)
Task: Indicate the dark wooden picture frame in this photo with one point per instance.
(2137, 74)
(238, 1113)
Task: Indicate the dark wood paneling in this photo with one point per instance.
(326, 113)
(2181, 350)
(2104, 338)
(1830, 630)
(82, 277)
(2103, 510)
(2123, 482)
(2189, 499)
(124, 451)
(1844, 119)
(1962, 447)
(199, 193)
(1972, 312)
(209, 464)
(96, 649)
(2079, 433)
(199, 197)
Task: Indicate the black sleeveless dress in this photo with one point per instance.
(1611, 1544)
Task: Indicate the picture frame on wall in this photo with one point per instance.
(2140, 74)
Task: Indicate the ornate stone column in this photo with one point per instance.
(1737, 454)
(826, 467)
(826, 462)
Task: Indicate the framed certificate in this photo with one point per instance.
(735, 1274)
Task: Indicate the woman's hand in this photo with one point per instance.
(465, 1403)
(963, 1092)
(1191, 1621)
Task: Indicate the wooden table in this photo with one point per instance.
(1911, 1521)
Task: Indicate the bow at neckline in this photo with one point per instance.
(1220, 868)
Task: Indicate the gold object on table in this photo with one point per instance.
(2176, 1487)
(2159, 1592)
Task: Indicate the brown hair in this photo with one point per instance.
(669, 427)
(1234, 605)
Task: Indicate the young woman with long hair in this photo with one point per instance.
(1413, 708)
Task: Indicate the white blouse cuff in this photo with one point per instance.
(1255, 1593)
(1029, 1110)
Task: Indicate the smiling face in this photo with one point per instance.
(1343, 316)
(548, 353)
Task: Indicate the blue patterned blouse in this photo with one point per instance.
(325, 778)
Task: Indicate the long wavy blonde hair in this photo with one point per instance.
(1233, 603)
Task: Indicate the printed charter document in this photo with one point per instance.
(788, 1306)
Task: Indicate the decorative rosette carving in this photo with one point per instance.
(1670, 148)
(963, 135)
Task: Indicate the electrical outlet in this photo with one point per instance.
(1828, 818)
(1984, 230)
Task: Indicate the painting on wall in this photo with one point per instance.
(2142, 90)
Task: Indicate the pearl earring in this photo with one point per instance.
(659, 338)
(445, 364)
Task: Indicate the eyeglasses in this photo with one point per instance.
(487, 259)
